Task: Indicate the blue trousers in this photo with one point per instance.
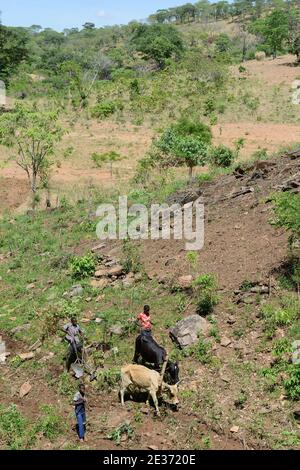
(81, 420)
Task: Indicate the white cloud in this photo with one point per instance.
(101, 13)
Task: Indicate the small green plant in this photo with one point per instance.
(66, 385)
(117, 434)
(103, 110)
(108, 379)
(241, 400)
(13, 427)
(201, 351)
(206, 297)
(82, 267)
(292, 383)
(222, 156)
(50, 425)
(131, 260)
(281, 346)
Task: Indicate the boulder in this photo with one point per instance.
(129, 280)
(101, 284)
(26, 356)
(296, 352)
(75, 291)
(116, 271)
(25, 389)
(116, 330)
(19, 329)
(185, 282)
(101, 273)
(186, 332)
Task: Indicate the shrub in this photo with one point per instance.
(108, 379)
(222, 156)
(50, 425)
(292, 384)
(103, 110)
(82, 267)
(12, 427)
(131, 261)
(202, 351)
(124, 429)
(206, 297)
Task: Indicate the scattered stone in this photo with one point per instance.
(129, 280)
(138, 277)
(35, 346)
(297, 415)
(46, 358)
(231, 321)
(116, 271)
(296, 352)
(98, 321)
(101, 284)
(225, 342)
(153, 447)
(234, 429)
(2, 351)
(101, 273)
(75, 291)
(26, 356)
(116, 330)
(98, 247)
(186, 332)
(19, 329)
(145, 411)
(184, 196)
(99, 298)
(30, 286)
(241, 192)
(89, 299)
(185, 282)
(25, 389)
(85, 320)
(260, 289)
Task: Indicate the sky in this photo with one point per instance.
(60, 14)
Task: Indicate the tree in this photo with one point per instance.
(13, 51)
(33, 135)
(274, 29)
(158, 42)
(89, 26)
(184, 143)
(294, 32)
(110, 157)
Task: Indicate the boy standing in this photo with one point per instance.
(145, 323)
(79, 403)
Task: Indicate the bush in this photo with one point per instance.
(82, 267)
(206, 297)
(108, 379)
(103, 110)
(131, 260)
(202, 351)
(12, 427)
(50, 425)
(222, 156)
(292, 384)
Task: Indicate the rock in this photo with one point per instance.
(152, 447)
(129, 280)
(75, 291)
(99, 298)
(241, 192)
(116, 271)
(101, 273)
(225, 342)
(101, 284)
(89, 299)
(185, 282)
(19, 329)
(234, 429)
(25, 389)
(30, 286)
(296, 352)
(35, 346)
(145, 411)
(3, 353)
(116, 330)
(260, 290)
(184, 196)
(138, 277)
(98, 321)
(185, 333)
(46, 358)
(297, 415)
(85, 320)
(26, 356)
(231, 321)
(98, 247)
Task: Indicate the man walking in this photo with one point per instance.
(74, 337)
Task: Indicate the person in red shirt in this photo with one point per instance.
(145, 323)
